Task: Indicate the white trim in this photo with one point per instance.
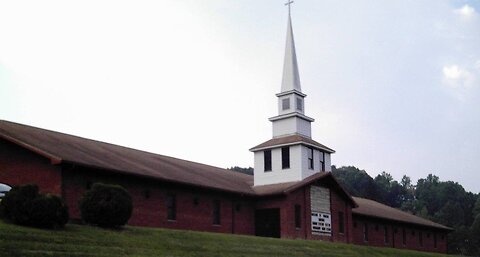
(292, 114)
(289, 144)
(294, 91)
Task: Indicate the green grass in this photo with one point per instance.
(76, 240)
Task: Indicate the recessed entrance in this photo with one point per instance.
(267, 222)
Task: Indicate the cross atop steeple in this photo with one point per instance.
(291, 78)
(289, 3)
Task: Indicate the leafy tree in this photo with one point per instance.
(357, 182)
(476, 208)
(248, 171)
(451, 214)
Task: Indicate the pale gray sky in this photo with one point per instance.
(393, 85)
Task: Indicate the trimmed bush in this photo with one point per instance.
(106, 206)
(23, 205)
(48, 211)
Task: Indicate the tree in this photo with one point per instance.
(248, 171)
(357, 182)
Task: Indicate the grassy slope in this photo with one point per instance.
(78, 240)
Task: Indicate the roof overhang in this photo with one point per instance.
(294, 91)
(53, 159)
(290, 144)
(290, 115)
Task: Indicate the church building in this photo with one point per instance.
(292, 194)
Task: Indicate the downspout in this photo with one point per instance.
(305, 212)
(233, 218)
(331, 215)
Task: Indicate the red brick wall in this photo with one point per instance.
(20, 166)
(286, 204)
(395, 235)
(152, 210)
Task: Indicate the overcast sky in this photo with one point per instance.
(393, 85)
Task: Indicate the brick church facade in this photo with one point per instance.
(292, 193)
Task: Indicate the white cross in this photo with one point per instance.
(289, 3)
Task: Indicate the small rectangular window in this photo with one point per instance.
(267, 160)
(385, 234)
(365, 232)
(404, 237)
(171, 207)
(299, 104)
(310, 158)
(285, 157)
(298, 216)
(216, 212)
(285, 104)
(341, 223)
(322, 161)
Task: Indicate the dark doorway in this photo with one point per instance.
(267, 223)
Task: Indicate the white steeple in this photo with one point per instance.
(292, 154)
(291, 118)
(291, 79)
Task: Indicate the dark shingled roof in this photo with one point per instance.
(59, 147)
(371, 208)
(285, 188)
(291, 140)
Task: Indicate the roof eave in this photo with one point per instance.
(403, 222)
(55, 160)
(256, 149)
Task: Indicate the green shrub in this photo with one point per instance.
(106, 206)
(23, 205)
(48, 211)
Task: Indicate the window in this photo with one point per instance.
(267, 160)
(321, 223)
(310, 158)
(385, 234)
(216, 212)
(365, 232)
(420, 238)
(322, 161)
(299, 104)
(285, 157)
(434, 240)
(298, 216)
(404, 237)
(171, 207)
(146, 194)
(285, 104)
(341, 223)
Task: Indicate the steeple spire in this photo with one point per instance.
(291, 78)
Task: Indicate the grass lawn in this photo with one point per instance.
(76, 240)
